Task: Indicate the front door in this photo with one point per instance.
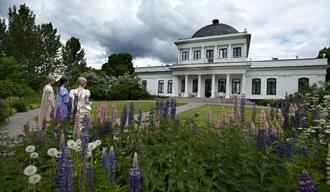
(208, 87)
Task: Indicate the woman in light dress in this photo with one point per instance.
(83, 103)
(62, 100)
(47, 102)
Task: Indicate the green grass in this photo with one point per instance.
(216, 111)
(145, 106)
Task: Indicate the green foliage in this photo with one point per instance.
(10, 89)
(119, 65)
(11, 70)
(128, 87)
(17, 104)
(5, 111)
(325, 51)
(73, 58)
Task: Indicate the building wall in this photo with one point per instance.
(152, 82)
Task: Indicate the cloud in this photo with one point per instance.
(148, 29)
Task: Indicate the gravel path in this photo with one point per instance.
(17, 121)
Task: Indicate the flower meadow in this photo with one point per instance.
(286, 149)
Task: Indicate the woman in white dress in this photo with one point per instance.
(47, 102)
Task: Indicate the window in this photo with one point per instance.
(209, 54)
(183, 84)
(256, 86)
(195, 86)
(144, 84)
(223, 53)
(222, 85)
(271, 86)
(185, 55)
(237, 52)
(197, 55)
(160, 86)
(303, 83)
(169, 86)
(236, 83)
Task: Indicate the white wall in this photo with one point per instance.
(152, 83)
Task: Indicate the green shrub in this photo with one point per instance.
(17, 104)
(10, 89)
(5, 111)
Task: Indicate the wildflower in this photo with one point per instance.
(113, 115)
(58, 154)
(131, 113)
(64, 173)
(30, 149)
(253, 128)
(281, 148)
(34, 179)
(71, 144)
(271, 136)
(90, 177)
(262, 138)
(242, 108)
(91, 146)
(98, 142)
(52, 152)
(30, 170)
(135, 176)
(173, 108)
(34, 155)
(305, 183)
(123, 119)
(304, 151)
(166, 107)
(62, 141)
(108, 161)
(105, 128)
(294, 133)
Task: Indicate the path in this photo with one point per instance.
(17, 121)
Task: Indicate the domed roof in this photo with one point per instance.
(215, 28)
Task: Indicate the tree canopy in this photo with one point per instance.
(119, 64)
(325, 52)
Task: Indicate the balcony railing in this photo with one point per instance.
(211, 60)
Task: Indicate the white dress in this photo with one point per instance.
(47, 104)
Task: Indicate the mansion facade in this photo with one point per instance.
(214, 63)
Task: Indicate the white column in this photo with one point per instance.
(230, 52)
(244, 53)
(199, 89)
(213, 86)
(203, 54)
(227, 86)
(186, 87)
(190, 54)
(175, 87)
(243, 83)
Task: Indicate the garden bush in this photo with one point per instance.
(5, 111)
(12, 89)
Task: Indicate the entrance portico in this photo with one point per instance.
(209, 85)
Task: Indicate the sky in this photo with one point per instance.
(148, 28)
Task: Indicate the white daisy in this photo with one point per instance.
(30, 170)
(91, 146)
(34, 179)
(30, 148)
(71, 144)
(34, 155)
(52, 152)
(98, 142)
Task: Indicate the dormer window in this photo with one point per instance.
(237, 52)
(197, 54)
(185, 55)
(223, 53)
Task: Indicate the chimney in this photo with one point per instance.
(297, 57)
(215, 21)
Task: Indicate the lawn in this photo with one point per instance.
(145, 105)
(216, 109)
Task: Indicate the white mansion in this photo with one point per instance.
(214, 63)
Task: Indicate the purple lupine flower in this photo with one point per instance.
(131, 114)
(105, 127)
(84, 139)
(290, 147)
(262, 138)
(123, 119)
(113, 117)
(75, 107)
(166, 108)
(135, 177)
(297, 117)
(177, 120)
(272, 111)
(271, 136)
(305, 183)
(62, 141)
(112, 165)
(304, 151)
(254, 112)
(90, 176)
(315, 111)
(242, 108)
(64, 173)
(235, 111)
(173, 108)
(292, 120)
(286, 112)
(161, 109)
(281, 148)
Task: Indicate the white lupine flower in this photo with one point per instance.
(52, 152)
(98, 142)
(104, 151)
(34, 155)
(34, 179)
(89, 154)
(30, 148)
(91, 146)
(71, 144)
(30, 170)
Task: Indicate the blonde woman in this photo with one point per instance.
(83, 103)
(47, 102)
